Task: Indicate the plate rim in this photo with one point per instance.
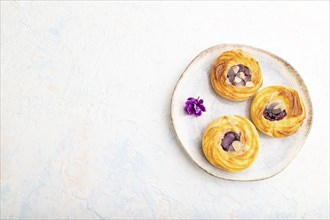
(295, 74)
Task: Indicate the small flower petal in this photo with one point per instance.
(197, 109)
(189, 102)
(202, 107)
(190, 110)
(197, 114)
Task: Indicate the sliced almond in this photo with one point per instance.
(237, 80)
(249, 84)
(279, 106)
(237, 145)
(272, 105)
(241, 75)
(230, 73)
(236, 69)
(276, 111)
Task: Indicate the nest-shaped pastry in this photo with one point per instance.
(231, 143)
(236, 75)
(278, 111)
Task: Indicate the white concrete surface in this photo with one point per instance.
(85, 97)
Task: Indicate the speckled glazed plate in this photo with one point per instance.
(275, 153)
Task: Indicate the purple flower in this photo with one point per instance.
(194, 106)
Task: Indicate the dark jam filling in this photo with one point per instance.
(274, 114)
(242, 79)
(228, 139)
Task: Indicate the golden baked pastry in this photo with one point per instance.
(231, 143)
(236, 75)
(278, 111)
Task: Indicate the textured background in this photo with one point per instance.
(85, 120)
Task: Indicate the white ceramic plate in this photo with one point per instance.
(275, 153)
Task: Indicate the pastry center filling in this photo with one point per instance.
(275, 111)
(239, 75)
(231, 142)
